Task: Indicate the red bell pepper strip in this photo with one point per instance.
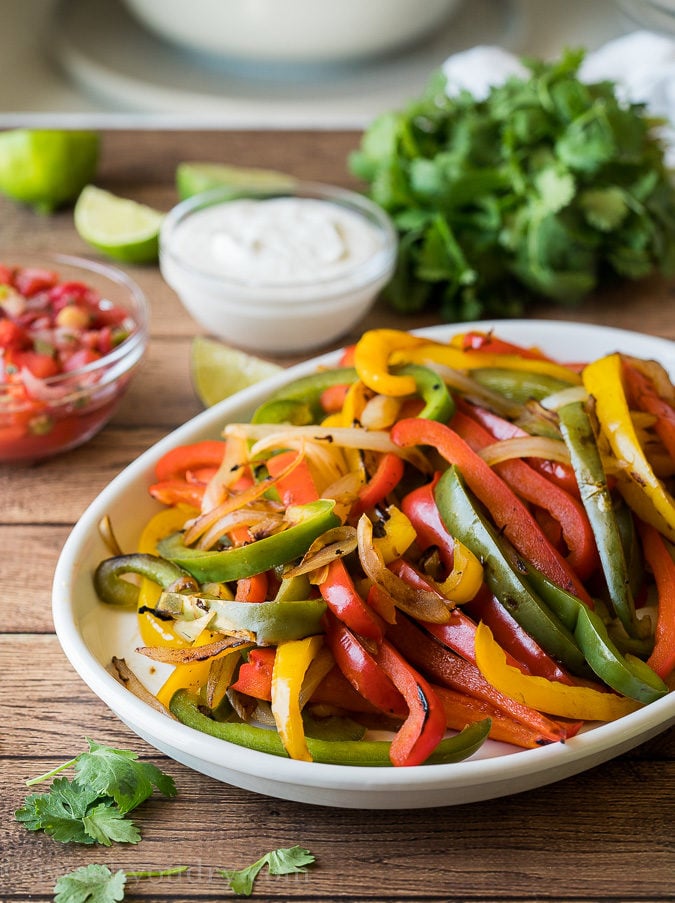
(537, 490)
(332, 399)
(340, 595)
(423, 729)
(297, 487)
(382, 603)
(487, 341)
(179, 460)
(555, 471)
(255, 674)
(508, 512)
(451, 670)
(461, 710)
(643, 395)
(176, 492)
(361, 669)
(659, 559)
(387, 476)
(252, 589)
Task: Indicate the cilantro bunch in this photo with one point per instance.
(547, 187)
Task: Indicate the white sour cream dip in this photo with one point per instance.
(276, 241)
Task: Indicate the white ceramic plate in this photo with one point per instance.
(91, 633)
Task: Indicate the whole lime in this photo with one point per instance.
(46, 168)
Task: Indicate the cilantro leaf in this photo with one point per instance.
(119, 774)
(59, 812)
(283, 861)
(90, 884)
(106, 824)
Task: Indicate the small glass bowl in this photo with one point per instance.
(51, 415)
(275, 316)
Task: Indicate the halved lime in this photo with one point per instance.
(46, 168)
(118, 227)
(193, 178)
(219, 371)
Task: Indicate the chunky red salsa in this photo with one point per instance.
(49, 330)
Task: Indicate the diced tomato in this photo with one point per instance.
(40, 365)
(80, 359)
(12, 336)
(6, 274)
(31, 280)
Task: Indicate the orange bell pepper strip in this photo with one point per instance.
(424, 726)
(176, 462)
(535, 489)
(297, 487)
(660, 560)
(508, 512)
(545, 695)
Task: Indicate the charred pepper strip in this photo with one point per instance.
(364, 753)
(463, 519)
(111, 588)
(307, 523)
(626, 674)
(577, 432)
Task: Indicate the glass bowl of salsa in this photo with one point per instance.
(72, 334)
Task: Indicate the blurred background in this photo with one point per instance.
(233, 64)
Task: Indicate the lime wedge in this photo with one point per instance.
(118, 227)
(46, 168)
(193, 178)
(219, 371)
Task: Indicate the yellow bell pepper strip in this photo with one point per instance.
(190, 677)
(393, 534)
(435, 352)
(648, 496)
(465, 521)
(153, 630)
(660, 560)
(290, 665)
(307, 522)
(579, 438)
(548, 696)
(266, 623)
(465, 578)
(355, 402)
(363, 753)
(626, 674)
(372, 356)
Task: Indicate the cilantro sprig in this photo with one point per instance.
(93, 807)
(97, 884)
(284, 861)
(544, 188)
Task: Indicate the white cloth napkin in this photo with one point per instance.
(641, 63)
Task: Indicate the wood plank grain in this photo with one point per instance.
(578, 830)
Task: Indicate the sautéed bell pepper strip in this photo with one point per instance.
(438, 402)
(372, 357)
(534, 488)
(466, 520)
(178, 461)
(626, 674)
(255, 674)
(643, 395)
(112, 588)
(442, 666)
(300, 401)
(361, 669)
(661, 562)
(307, 522)
(290, 665)
(296, 487)
(644, 492)
(508, 512)
(365, 753)
(388, 474)
(546, 695)
(424, 727)
(474, 340)
(577, 432)
(560, 474)
(193, 676)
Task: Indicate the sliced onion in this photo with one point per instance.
(421, 604)
(123, 673)
(107, 534)
(563, 397)
(172, 655)
(235, 459)
(263, 520)
(332, 544)
(380, 412)
(526, 447)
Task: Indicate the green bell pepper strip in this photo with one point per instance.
(111, 588)
(299, 403)
(307, 523)
(577, 432)
(465, 521)
(266, 623)
(518, 385)
(373, 753)
(438, 402)
(626, 674)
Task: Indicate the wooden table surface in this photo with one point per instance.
(607, 834)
